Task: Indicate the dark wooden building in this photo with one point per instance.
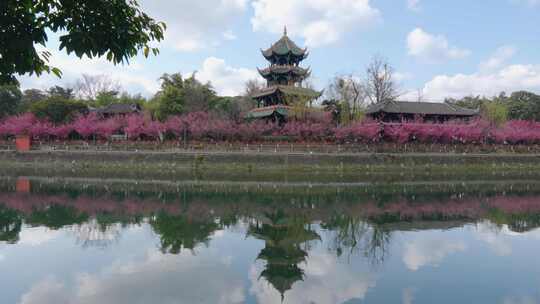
(284, 78)
(397, 111)
(119, 109)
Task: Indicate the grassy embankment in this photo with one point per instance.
(274, 167)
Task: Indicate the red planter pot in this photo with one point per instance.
(23, 143)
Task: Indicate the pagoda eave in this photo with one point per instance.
(288, 90)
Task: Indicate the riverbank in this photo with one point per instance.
(273, 167)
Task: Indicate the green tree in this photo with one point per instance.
(30, 97)
(56, 217)
(178, 95)
(468, 102)
(57, 109)
(495, 112)
(232, 107)
(118, 29)
(10, 99)
(178, 232)
(524, 105)
(170, 98)
(61, 92)
(106, 98)
(10, 225)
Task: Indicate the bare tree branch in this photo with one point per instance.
(90, 86)
(380, 84)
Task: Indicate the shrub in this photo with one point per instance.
(58, 110)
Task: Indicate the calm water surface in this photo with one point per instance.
(80, 241)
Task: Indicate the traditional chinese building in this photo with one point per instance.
(284, 78)
(119, 109)
(397, 111)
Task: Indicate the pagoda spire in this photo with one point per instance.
(285, 31)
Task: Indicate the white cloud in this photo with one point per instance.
(492, 78)
(319, 22)
(131, 77)
(37, 236)
(227, 80)
(501, 56)
(432, 48)
(520, 300)
(491, 235)
(529, 2)
(508, 79)
(413, 5)
(179, 278)
(429, 252)
(48, 291)
(407, 296)
(193, 25)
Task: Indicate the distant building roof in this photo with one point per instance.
(288, 90)
(120, 108)
(421, 108)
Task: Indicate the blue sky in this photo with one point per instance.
(439, 48)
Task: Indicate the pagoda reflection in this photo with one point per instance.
(286, 238)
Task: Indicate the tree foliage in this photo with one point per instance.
(115, 29)
(57, 109)
(521, 105)
(182, 95)
(61, 92)
(524, 105)
(10, 99)
(351, 94)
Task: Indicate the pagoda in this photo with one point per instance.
(284, 79)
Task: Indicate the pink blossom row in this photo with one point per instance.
(202, 126)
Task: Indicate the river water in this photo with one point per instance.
(121, 241)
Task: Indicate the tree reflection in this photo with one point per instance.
(179, 232)
(286, 238)
(10, 225)
(357, 235)
(56, 217)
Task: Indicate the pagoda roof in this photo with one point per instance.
(284, 46)
(284, 69)
(421, 108)
(268, 111)
(288, 90)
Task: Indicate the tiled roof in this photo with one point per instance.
(284, 69)
(288, 90)
(284, 46)
(120, 108)
(422, 108)
(268, 111)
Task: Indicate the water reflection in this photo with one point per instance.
(285, 243)
(263, 244)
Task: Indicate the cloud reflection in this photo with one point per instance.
(183, 278)
(429, 252)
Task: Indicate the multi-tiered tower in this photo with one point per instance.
(284, 78)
